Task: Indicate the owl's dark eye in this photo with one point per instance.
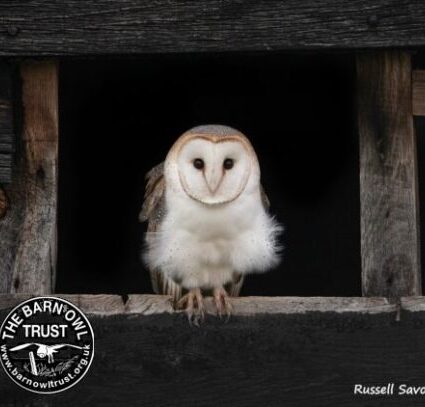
(198, 163)
(228, 164)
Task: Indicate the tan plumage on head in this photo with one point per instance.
(208, 220)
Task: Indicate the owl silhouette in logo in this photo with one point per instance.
(45, 350)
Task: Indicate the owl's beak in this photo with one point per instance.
(213, 179)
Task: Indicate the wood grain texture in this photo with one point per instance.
(308, 359)
(4, 203)
(418, 92)
(28, 231)
(5, 174)
(413, 304)
(147, 304)
(94, 27)
(388, 176)
(5, 160)
(7, 133)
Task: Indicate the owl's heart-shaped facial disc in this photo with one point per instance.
(214, 170)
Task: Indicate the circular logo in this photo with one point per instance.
(46, 345)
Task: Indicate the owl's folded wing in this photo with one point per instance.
(153, 210)
(154, 194)
(264, 198)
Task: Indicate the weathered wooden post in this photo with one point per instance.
(390, 246)
(28, 228)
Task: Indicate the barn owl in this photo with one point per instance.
(208, 221)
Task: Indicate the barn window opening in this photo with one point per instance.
(119, 117)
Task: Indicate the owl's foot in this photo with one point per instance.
(193, 303)
(222, 302)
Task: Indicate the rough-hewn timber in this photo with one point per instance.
(388, 176)
(4, 203)
(310, 358)
(28, 229)
(94, 27)
(7, 144)
(146, 304)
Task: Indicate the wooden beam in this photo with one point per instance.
(5, 160)
(104, 304)
(28, 230)
(6, 173)
(390, 246)
(100, 27)
(146, 304)
(413, 304)
(4, 203)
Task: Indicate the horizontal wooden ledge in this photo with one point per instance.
(146, 304)
(413, 304)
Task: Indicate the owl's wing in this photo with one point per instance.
(234, 288)
(153, 211)
(154, 193)
(264, 198)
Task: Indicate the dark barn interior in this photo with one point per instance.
(119, 117)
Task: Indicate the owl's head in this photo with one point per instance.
(212, 164)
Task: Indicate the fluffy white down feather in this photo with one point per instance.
(202, 246)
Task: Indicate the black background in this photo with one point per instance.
(119, 117)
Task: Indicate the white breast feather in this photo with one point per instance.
(202, 246)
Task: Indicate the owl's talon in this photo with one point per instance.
(193, 304)
(222, 303)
